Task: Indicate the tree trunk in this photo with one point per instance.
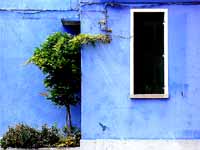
(68, 119)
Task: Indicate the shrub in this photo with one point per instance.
(71, 140)
(49, 136)
(23, 136)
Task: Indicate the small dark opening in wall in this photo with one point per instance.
(72, 27)
(148, 53)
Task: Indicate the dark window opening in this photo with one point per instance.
(72, 27)
(148, 53)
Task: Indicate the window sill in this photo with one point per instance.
(150, 96)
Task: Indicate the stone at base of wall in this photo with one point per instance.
(140, 144)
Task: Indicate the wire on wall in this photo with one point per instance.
(103, 23)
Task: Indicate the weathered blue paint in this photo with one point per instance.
(40, 4)
(20, 32)
(107, 110)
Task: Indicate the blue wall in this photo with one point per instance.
(24, 25)
(106, 74)
(40, 4)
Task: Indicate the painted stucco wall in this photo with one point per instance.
(40, 4)
(24, 24)
(107, 110)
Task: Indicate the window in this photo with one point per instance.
(149, 53)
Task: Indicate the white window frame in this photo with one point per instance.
(166, 93)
